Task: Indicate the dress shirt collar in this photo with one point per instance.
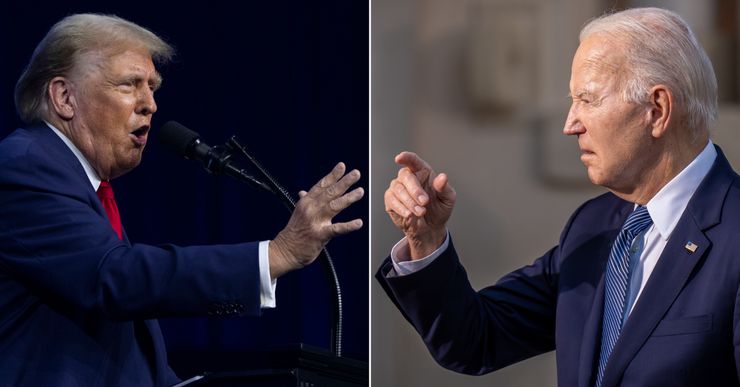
(89, 171)
(667, 206)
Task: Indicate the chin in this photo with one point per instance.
(595, 177)
(133, 164)
(126, 167)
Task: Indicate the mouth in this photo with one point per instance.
(587, 156)
(585, 150)
(139, 135)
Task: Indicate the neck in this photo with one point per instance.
(83, 143)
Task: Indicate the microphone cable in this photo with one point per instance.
(290, 203)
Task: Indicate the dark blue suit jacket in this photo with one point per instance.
(683, 330)
(76, 303)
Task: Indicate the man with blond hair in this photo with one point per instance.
(643, 287)
(78, 300)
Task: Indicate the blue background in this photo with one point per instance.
(290, 79)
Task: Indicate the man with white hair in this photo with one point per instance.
(642, 289)
(78, 300)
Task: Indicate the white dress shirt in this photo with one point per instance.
(665, 209)
(267, 285)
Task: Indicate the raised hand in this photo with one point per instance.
(419, 202)
(310, 226)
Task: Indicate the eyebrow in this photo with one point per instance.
(156, 81)
(580, 94)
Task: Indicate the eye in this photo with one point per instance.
(586, 99)
(127, 85)
(579, 98)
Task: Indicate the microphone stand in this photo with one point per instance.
(271, 185)
(220, 164)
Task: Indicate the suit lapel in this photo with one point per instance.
(79, 181)
(673, 269)
(591, 337)
(665, 283)
(78, 178)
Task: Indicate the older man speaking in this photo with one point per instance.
(642, 289)
(77, 299)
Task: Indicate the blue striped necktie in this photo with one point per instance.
(617, 279)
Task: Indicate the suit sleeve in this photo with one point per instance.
(476, 332)
(736, 332)
(54, 242)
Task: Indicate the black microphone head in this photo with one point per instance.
(178, 138)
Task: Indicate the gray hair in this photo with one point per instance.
(58, 53)
(662, 49)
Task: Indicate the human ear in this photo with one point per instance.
(661, 106)
(60, 98)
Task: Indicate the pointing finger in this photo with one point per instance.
(412, 161)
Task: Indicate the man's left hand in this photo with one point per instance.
(310, 227)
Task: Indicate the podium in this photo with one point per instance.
(294, 366)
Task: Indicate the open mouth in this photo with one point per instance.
(139, 135)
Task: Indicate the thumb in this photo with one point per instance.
(444, 190)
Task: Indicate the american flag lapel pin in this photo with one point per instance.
(690, 247)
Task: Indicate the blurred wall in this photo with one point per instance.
(479, 89)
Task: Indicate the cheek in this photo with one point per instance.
(119, 116)
(611, 129)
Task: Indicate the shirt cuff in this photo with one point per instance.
(401, 258)
(267, 285)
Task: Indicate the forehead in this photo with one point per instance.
(597, 59)
(116, 61)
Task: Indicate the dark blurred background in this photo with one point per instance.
(290, 79)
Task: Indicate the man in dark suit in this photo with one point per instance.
(642, 289)
(77, 299)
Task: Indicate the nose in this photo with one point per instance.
(573, 125)
(147, 105)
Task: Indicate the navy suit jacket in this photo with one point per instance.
(683, 330)
(76, 303)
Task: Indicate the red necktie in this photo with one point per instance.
(105, 194)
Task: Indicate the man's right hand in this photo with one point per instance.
(419, 202)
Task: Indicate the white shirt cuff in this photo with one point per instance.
(267, 285)
(401, 258)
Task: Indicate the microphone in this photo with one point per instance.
(216, 160)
